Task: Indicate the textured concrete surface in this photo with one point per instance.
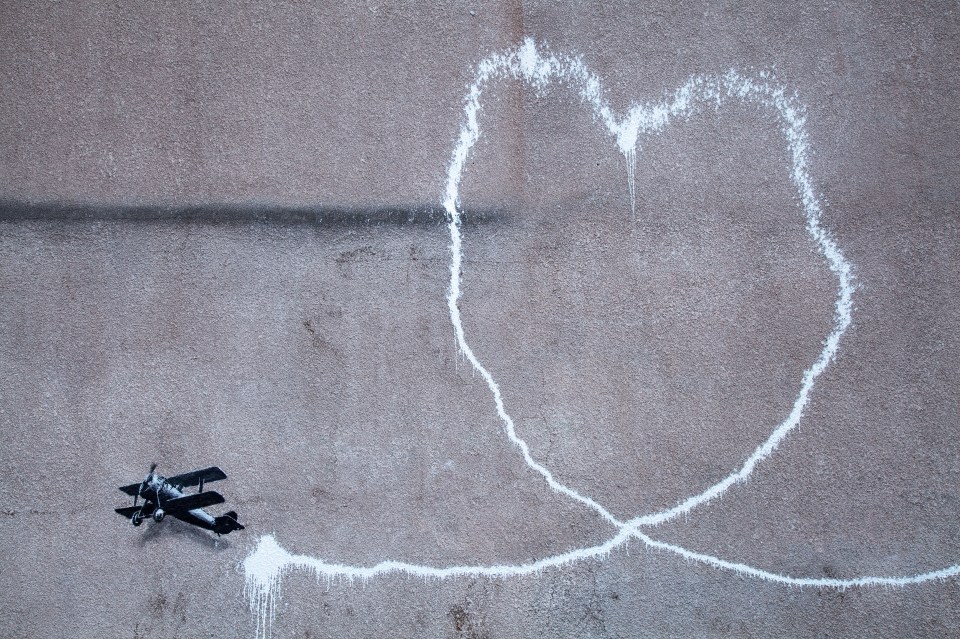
(221, 243)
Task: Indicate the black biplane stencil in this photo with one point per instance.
(164, 496)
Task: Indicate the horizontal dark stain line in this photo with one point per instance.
(220, 214)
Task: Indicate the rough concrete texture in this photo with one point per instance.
(221, 243)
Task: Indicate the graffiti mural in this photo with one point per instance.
(535, 65)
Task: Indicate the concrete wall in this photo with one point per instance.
(222, 241)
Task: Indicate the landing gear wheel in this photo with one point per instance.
(137, 519)
(158, 515)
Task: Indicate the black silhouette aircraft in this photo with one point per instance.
(164, 496)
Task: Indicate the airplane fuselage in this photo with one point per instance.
(158, 490)
(164, 496)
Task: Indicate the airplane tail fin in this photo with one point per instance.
(226, 523)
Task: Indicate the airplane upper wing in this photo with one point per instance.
(189, 502)
(195, 477)
(132, 489)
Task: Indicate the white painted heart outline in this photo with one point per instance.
(265, 566)
(528, 64)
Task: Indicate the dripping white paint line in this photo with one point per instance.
(265, 566)
(269, 562)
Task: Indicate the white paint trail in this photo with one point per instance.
(265, 567)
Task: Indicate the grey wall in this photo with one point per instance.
(221, 243)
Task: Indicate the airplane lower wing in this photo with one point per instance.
(190, 502)
(146, 510)
(129, 511)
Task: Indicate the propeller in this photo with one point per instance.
(153, 467)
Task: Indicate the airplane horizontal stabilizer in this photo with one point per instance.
(226, 524)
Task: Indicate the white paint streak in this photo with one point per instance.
(265, 567)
